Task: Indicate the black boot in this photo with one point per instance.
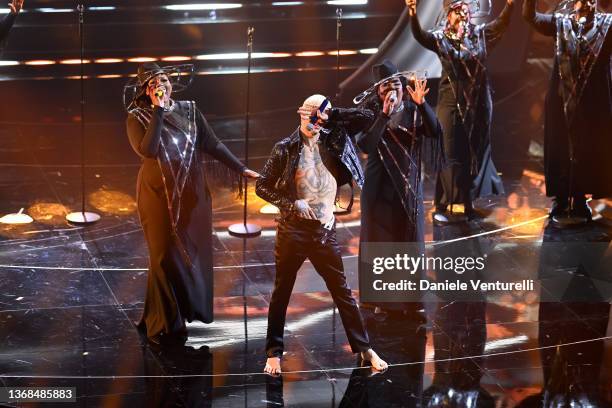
(559, 207)
(581, 208)
(470, 212)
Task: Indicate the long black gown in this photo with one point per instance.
(175, 209)
(392, 194)
(583, 116)
(465, 110)
(392, 211)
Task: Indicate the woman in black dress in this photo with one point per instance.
(392, 194)
(174, 203)
(464, 103)
(578, 108)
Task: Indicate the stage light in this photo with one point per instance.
(108, 60)
(8, 63)
(259, 55)
(49, 213)
(368, 51)
(347, 2)
(309, 54)
(203, 6)
(109, 76)
(176, 58)
(269, 209)
(40, 62)
(16, 218)
(55, 10)
(74, 61)
(142, 59)
(112, 202)
(242, 55)
(342, 52)
(287, 3)
(229, 56)
(101, 8)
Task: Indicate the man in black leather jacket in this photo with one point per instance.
(302, 177)
(277, 183)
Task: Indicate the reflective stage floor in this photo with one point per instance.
(69, 297)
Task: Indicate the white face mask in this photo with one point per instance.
(308, 129)
(312, 103)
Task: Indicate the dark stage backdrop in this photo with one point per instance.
(295, 48)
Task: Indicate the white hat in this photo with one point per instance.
(315, 101)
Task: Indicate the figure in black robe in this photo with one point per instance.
(175, 209)
(465, 108)
(392, 194)
(578, 112)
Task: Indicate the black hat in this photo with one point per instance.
(147, 71)
(384, 70)
(180, 77)
(452, 3)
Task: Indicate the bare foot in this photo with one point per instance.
(273, 366)
(377, 363)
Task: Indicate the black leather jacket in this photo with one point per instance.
(277, 182)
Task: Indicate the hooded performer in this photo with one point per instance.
(464, 102)
(174, 202)
(6, 24)
(578, 112)
(392, 197)
(392, 194)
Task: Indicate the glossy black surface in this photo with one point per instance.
(69, 296)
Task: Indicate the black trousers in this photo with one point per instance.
(297, 240)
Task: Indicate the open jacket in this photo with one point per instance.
(277, 182)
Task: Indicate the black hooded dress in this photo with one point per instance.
(465, 110)
(578, 110)
(392, 196)
(175, 209)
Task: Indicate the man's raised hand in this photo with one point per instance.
(16, 6)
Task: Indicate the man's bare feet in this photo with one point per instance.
(377, 363)
(273, 366)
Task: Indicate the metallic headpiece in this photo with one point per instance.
(478, 9)
(180, 77)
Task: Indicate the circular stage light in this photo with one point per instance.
(269, 209)
(16, 218)
(244, 230)
(82, 217)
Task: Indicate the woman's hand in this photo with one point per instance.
(419, 92)
(390, 103)
(157, 96)
(15, 6)
(411, 4)
(248, 173)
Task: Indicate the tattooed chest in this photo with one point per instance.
(314, 181)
